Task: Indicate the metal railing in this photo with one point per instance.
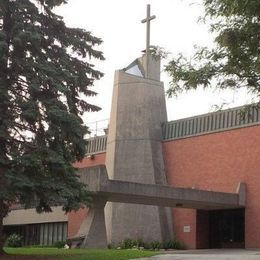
(208, 123)
(212, 122)
(96, 144)
(97, 128)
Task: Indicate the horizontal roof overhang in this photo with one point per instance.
(160, 195)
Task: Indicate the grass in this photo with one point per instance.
(80, 254)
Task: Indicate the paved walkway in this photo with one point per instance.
(213, 254)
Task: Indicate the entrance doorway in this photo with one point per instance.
(220, 229)
(227, 228)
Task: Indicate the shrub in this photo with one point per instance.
(156, 245)
(140, 242)
(14, 240)
(168, 244)
(130, 243)
(110, 246)
(147, 245)
(173, 244)
(59, 244)
(178, 245)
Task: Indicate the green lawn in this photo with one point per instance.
(80, 254)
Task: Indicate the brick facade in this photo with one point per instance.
(88, 161)
(217, 162)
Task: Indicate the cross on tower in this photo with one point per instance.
(147, 21)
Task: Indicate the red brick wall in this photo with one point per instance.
(181, 218)
(75, 219)
(217, 162)
(98, 159)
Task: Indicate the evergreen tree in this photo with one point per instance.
(45, 70)
(235, 61)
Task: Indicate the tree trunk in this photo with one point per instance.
(1, 236)
(2, 215)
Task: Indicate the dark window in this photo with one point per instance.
(39, 234)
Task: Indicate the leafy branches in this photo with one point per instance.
(235, 61)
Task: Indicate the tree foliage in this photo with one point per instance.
(45, 70)
(234, 62)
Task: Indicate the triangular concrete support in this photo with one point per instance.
(95, 227)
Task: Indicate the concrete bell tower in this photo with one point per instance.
(134, 148)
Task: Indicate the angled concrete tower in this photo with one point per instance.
(134, 150)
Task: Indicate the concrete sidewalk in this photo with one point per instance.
(213, 254)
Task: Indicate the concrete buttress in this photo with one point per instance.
(134, 152)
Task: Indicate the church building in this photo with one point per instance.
(214, 156)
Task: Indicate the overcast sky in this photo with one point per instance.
(118, 23)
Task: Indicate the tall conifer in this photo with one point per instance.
(45, 69)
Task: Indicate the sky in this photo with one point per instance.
(176, 29)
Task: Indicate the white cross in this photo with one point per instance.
(147, 21)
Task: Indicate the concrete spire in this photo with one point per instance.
(134, 152)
